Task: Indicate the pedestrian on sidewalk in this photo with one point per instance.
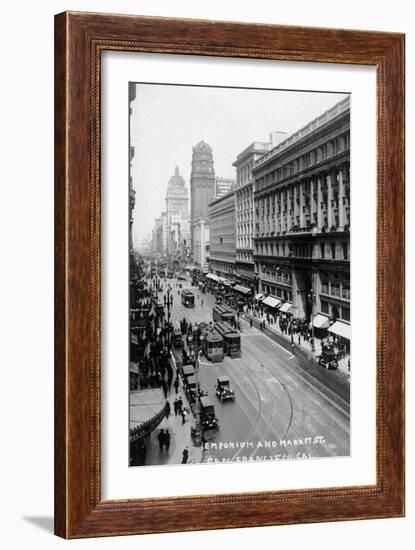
(299, 339)
(185, 455)
(250, 322)
(164, 387)
(161, 439)
(176, 384)
(183, 412)
(168, 409)
(167, 440)
(180, 405)
(175, 407)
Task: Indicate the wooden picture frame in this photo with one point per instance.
(80, 38)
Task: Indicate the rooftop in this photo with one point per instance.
(339, 108)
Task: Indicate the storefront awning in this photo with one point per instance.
(212, 277)
(270, 301)
(259, 296)
(287, 307)
(321, 321)
(133, 367)
(242, 289)
(146, 406)
(341, 329)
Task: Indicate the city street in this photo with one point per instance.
(280, 411)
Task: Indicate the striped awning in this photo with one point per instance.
(341, 329)
(270, 301)
(147, 409)
(242, 289)
(321, 321)
(287, 307)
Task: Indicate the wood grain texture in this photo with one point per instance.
(79, 40)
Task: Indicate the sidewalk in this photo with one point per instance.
(180, 437)
(304, 344)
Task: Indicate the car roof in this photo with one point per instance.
(206, 402)
(223, 379)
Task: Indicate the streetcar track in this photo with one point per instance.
(318, 386)
(259, 412)
(269, 424)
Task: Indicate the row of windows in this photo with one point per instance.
(309, 159)
(244, 255)
(324, 251)
(281, 293)
(335, 287)
(244, 173)
(334, 311)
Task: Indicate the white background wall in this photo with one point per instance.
(26, 300)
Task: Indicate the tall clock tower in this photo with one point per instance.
(202, 187)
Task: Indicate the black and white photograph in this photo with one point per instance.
(239, 274)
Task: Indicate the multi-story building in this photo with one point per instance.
(177, 212)
(302, 218)
(202, 187)
(131, 203)
(222, 236)
(244, 210)
(157, 236)
(223, 186)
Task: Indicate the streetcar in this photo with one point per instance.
(213, 346)
(188, 298)
(222, 312)
(231, 339)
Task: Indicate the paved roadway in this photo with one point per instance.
(280, 410)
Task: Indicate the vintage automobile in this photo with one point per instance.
(328, 359)
(223, 389)
(178, 339)
(208, 419)
(190, 387)
(186, 371)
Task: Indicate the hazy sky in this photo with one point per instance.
(167, 121)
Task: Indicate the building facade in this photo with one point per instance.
(245, 212)
(223, 186)
(202, 188)
(222, 236)
(177, 212)
(302, 218)
(157, 236)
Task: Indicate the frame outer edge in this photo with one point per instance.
(76, 515)
(60, 182)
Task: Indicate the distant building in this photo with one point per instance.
(177, 212)
(202, 187)
(144, 246)
(157, 236)
(223, 186)
(131, 203)
(222, 236)
(302, 219)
